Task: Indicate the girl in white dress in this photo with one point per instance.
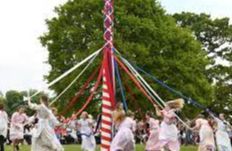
(85, 125)
(168, 135)
(72, 125)
(44, 138)
(3, 126)
(124, 138)
(18, 120)
(222, 136)
(206, 134)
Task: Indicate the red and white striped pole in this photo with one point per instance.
(108, 95)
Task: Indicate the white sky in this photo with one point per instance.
(217, 8)
(21, 55)
(22, 21)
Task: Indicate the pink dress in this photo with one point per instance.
(17, 124)
(168, 131)
(206, 135)
(124, 139)
(153, 140)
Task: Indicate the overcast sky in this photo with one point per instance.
(22, 21)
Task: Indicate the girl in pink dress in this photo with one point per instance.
(18, 120)
(206, 134)
(124, 138)
(168, 136)
(153, 140)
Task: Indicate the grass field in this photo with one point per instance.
(77, 148)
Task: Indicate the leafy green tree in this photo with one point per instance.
(2, 100)
(31, 92)
(143, 33)
(34, 99)
(13, 100)
(215, 36)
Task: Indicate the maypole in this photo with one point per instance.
(108, 36)
(108, 92)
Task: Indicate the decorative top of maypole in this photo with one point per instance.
(108, 24)
(108, 37)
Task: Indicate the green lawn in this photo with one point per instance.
(77, 148)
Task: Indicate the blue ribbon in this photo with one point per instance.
(125, 106)
(187, 99)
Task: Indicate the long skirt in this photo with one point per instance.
(169, 137)
(88, 143)
(153, 141)
(16, 133)
(223, 141)
(207, 142)
(123, 141)
(46, 141)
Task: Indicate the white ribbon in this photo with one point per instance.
(146, 86)
(70, 70)
(77, 77)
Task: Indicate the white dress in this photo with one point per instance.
(222, 137)
(168, 135)
(206, 135)
(3, 123)
(44, 138)
(88, 139)
(72, 127)
(124, 138)
(168, 130)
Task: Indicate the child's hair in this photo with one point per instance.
(148, 113)
(176, 104)
(44, 99)
(130, 113)
(119, 114)
(85, 114)
(54, 110)
(200, 116)
(21, 107)
(119, 105)
(1, 106)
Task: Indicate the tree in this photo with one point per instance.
(31, 92)
(2, 100)
(13, 100)
(144, 34)
(215, 36)
(35, 99)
